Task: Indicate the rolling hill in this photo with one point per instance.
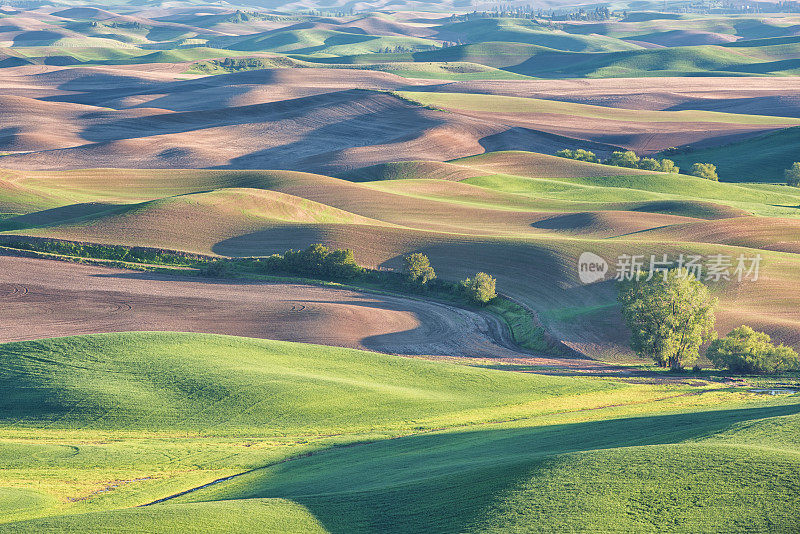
(523, 217)
(363, 452)
(171, 361)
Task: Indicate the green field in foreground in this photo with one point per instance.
(338, 440)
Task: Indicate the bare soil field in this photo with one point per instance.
(334, 120)
(326, 133)
(758, 95)
(641, 137)
(45, 298)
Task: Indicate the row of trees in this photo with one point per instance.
(599, 13)
(672, 316)
(401, 49)
(320, 262)
(480, 289)
(629, 159)
(526, 12)
(315, 261)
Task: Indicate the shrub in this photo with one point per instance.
(792, 175)
(624, 159)
(316, 260)
(584, 155)
(746, 351)
(417, 268)
(341, 263)
(670, 316)
(705, 170)
(481, 289)
(578, 154)
(649, 164)
(667, 165)
(215, 268)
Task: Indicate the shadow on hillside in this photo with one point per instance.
(775, 105)
(377, 122)
(519, 138)
(72, 213)
(96, 88)
(447, 482)
(37, 38)
(325, 148)
(275, 240)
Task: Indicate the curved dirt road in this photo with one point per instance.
(45, 298)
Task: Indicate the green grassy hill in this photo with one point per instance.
(206, 383)
(538, 60)
(337, 440)
(678, 61)
(741, 26)
(330, 42)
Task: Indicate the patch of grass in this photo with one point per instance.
(116, 253)
(260, 515)
(527, 332)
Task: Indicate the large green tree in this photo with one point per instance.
(670, 316)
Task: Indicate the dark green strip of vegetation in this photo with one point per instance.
(147, 255)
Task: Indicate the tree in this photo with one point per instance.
(667, 165)
(705, 170)
(746, 351)
(649, 164)
(418, 268)
(670, 316)
(624, 159)
(480, 289)
(566, 153)
(792, 174)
